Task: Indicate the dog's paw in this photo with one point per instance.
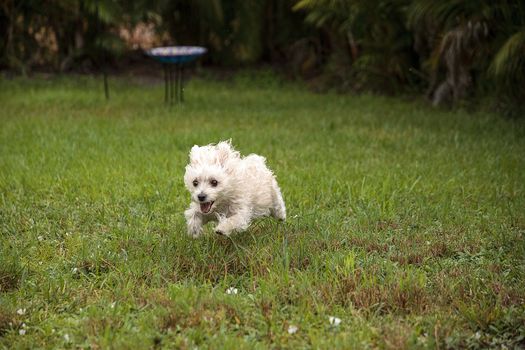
(220, 230)
(194, 232)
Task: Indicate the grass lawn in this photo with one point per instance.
(405, 222)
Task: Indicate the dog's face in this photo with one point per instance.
(207, 185)
(208, 175)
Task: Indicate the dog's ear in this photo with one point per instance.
(225, 152)
(194, 152)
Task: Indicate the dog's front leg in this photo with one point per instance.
(237, 222)
(193, 221)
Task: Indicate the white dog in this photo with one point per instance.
(229, 189)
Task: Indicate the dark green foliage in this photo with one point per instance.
(472, 41)
(456, 50)
(238, 31)
(57, 33)
(373, 36)
(231, 29)
(77, 31)
(459, 47)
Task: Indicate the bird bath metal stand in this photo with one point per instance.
(173, 59)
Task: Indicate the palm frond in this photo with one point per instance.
(510, 59)
(327, 12)
(447, 14)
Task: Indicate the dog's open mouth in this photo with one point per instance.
(206, 207)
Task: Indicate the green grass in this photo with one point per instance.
(405, 222)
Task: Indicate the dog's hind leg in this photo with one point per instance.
(279, 209)
(237, 222)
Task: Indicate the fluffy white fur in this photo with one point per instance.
(239, 189)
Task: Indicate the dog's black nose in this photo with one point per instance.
(202, 197)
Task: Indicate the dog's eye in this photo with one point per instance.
(195, 183)
(214, 183)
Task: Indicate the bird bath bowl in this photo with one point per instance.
(173, 59)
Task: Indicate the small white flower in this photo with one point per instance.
(334, 321)
(113, 304)
(231, 290)
(40, 238)
(66, 337)
(292, 329)
(75, 270)
(22, 331)
(477, 335)
(21, 311)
